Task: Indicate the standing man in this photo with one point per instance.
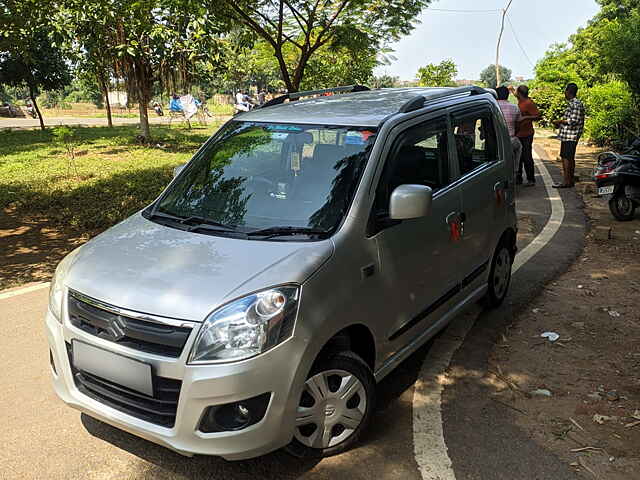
(529, 113)
(512, 116)
(571, 129)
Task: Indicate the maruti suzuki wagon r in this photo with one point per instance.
(306, 250)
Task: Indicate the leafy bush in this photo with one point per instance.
(611, 110)
(550, 100)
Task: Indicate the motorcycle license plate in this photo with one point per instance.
(606, 190)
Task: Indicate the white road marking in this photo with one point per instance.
(20, 291)
(429, 446)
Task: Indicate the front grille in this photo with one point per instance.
(149, 337)
(159, 409)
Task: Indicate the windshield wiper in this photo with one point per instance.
(284, 231)
(203, 223)
(151, 214)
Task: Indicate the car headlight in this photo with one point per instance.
(56, 289)
(247, 327)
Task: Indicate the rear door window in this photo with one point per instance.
(475, 139)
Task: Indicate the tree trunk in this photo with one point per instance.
(107, 104)
(35, 105)
(284, 71)
(144, 117)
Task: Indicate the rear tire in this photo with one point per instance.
(336, 405)
(499, 275)
(622, 207)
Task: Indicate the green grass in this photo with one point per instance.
(116, 176)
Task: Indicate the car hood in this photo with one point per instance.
(150, 268)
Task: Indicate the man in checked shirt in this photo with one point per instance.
(571, 129)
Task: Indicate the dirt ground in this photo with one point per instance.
(591, 419)
(30, 249)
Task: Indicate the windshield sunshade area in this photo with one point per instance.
(280, 179)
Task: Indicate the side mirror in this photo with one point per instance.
(410, 201)
(178, 169)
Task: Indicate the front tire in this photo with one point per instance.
(622, 207)
(499, 276)
(336, 405)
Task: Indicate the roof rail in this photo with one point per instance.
(297, 95)
(418, 102)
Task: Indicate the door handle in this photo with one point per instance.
(455, 221)
(456, 216)
(499, 189)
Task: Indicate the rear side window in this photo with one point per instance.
(420, 155)
(475, 140)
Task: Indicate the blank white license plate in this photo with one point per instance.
(606, 190)
(115, 368)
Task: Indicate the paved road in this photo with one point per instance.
(30, 123)
(43, 438)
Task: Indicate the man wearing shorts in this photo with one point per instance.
(571, 129)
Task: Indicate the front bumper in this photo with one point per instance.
(275, 371)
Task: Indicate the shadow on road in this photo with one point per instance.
(387, 441)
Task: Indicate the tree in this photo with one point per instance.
(297, 29)
(145, 42)
(488, 76)
(28, 52)
(89, 25)
(332, 66)
(438, 75)
(619, 48)
(385, 81)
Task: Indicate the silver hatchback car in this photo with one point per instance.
(306, 250)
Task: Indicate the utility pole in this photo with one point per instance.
(504, 14)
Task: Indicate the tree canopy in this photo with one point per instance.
(603, 60)
(29, 54)
(297, 29)
(488, 76)
(438, 75)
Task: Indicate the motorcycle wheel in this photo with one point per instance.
(622, 207)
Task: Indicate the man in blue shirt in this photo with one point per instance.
(175, 105)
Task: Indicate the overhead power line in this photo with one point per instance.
(515, 35)
(448, 10)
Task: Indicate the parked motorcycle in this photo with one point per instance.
(617, 178)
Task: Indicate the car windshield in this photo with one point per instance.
(271, 177)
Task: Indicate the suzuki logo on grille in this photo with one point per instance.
(116, 328)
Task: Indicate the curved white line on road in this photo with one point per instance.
(429, 446)
(20, 291)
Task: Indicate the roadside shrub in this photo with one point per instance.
(67, 139)
(611, 110)
(550, 100)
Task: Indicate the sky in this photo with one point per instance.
(469, 39)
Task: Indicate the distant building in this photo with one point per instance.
(465, 83)
(519, 79)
